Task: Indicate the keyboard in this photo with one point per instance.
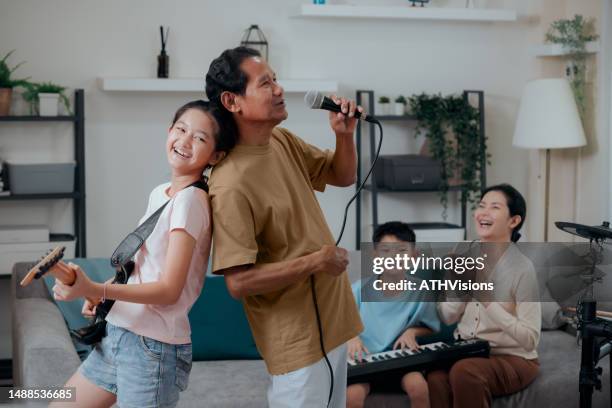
(428, 356)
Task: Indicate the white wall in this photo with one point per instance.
(579, 178)
(73, 42)
(594, 164)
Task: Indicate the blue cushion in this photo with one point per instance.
(219, 328)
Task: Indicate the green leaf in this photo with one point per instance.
(6, 80)
(439, 119)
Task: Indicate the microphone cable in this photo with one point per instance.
(376, 122)
(312, 279)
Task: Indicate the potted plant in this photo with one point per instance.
(7, 84)
(451, 128)
(400, 105)
(573, 35)
(47, 95)
(383, 105)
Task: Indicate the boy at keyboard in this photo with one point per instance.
(393, 323)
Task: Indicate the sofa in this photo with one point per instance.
(44, 355)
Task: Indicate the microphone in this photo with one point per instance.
(316, 100)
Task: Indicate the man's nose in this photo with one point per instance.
(278, 89)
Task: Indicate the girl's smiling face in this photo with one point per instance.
(191, 143)
(492, 218)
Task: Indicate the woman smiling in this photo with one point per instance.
(511, 327)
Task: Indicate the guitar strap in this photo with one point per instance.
(132, 243)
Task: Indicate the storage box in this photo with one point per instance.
(23, 233)
(41, 178)
(407, 172)
(437, 232)
(33, 251)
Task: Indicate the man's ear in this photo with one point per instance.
(216, 158)
(228, 99)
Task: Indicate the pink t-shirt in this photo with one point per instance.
(189, 210)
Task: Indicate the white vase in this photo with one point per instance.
(48, 104)
(400, 109)
(382, 108)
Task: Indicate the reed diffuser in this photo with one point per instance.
(163, 60)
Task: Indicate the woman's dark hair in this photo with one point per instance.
(399, 230)
(225, 138)
(515, 202)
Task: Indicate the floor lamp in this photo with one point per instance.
(548, 119)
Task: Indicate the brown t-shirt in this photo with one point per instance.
(264, 211)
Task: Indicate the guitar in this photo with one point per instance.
(52, 263)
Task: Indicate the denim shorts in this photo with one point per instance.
(140, 371)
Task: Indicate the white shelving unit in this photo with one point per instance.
(197, 85)
(405, 12)
(558, 50)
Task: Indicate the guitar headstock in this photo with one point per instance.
(43, 266)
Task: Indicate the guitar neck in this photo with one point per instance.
(52, 263)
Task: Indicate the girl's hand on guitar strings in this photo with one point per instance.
(89, 309)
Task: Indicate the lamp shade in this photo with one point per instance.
(548, 116)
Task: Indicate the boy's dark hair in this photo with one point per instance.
(515, 202)
(224, 73)
(398, 229)
(225, 138)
